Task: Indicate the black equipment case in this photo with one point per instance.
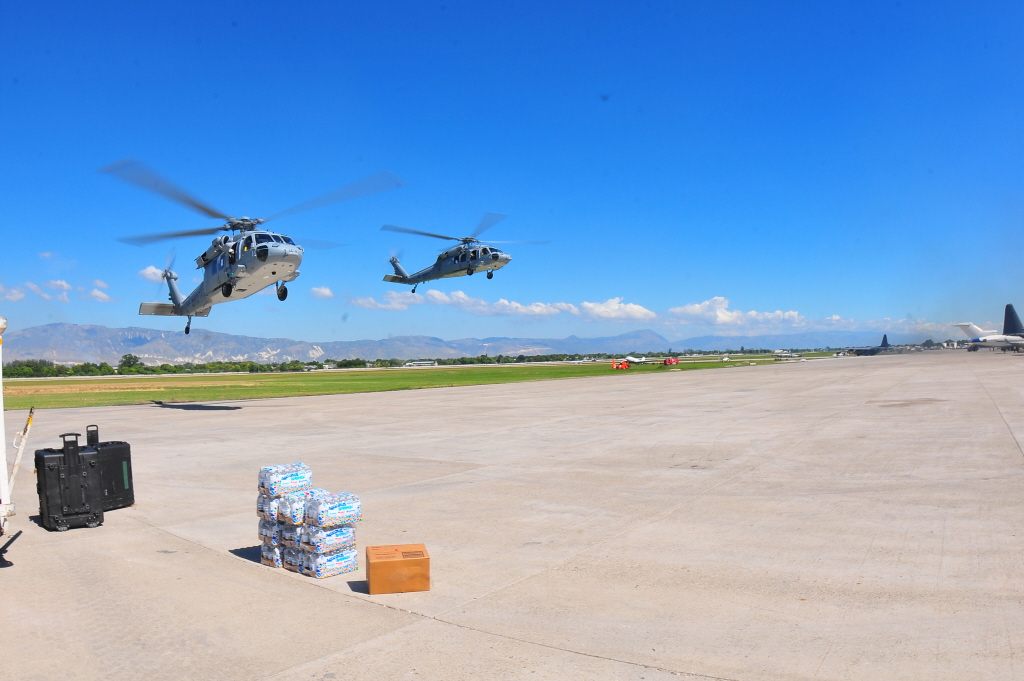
(115, 470)
(69, 486)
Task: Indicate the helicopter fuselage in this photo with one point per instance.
(237, 267)
(457, 261)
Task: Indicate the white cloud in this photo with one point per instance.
(503, 307)
(716, 312)
(152, 274)
(321, 292)
(58, 285)
(38, 291)
(614, 309)
(47, 254)
(11, 294)
(393, 300)
(62, 297)
(100, 283)
(98, 296)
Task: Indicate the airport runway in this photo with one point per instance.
(856, 518)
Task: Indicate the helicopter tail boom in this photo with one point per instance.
(400, 273)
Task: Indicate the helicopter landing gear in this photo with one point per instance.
(414, 287)
(282, 292)
(490, 274)
(188, 326)
(469, 271)
(226, 290)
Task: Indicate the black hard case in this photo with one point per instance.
(69, 486)
(115, 470)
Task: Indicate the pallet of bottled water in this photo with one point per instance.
(302, 528)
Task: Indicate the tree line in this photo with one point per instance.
(132, 365)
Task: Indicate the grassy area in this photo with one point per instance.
(53, 393)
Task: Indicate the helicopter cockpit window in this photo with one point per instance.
(287, 240)
(247, 244)
(485, 252)
(495, 250)
(263, 239)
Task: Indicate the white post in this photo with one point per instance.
(6, 505)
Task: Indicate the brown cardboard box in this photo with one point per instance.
(397, 569)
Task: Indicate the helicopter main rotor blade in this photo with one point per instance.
(152, 238)
(135, 172)
(406, 230)
(529, 243)
(374, 184)
(488, 221)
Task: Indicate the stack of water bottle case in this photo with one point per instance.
(305, 529)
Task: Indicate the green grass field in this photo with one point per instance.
(53, 393)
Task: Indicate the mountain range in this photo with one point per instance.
(83, 343)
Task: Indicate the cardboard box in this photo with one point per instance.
(397, 569)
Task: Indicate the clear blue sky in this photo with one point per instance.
(841, 163)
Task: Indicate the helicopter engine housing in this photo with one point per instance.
(219, 245)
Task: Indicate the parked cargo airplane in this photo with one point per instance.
(1011, 338)
(872, 349)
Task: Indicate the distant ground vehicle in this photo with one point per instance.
(671, 360)
(624, 364)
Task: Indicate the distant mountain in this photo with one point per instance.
(78, 343)
(810, 339)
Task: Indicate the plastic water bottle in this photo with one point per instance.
(290, 535)
(270, 555)
(266, 506)
(333, 510)
(328, 539)
(323, 565)
(285, 478)
(293, 559)
(291, 507)
(270, 532)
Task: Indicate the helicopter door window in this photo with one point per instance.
(474, 256)
(247, 244)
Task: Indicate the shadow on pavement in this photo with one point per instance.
(4, 563)
(248, 553)
(359, 586)
(195, 407)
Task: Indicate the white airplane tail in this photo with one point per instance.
(973, 331)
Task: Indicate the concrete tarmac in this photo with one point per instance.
(855, 518)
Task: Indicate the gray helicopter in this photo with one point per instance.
(246, 260)
(469, 256)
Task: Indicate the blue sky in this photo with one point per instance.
(700, 168)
